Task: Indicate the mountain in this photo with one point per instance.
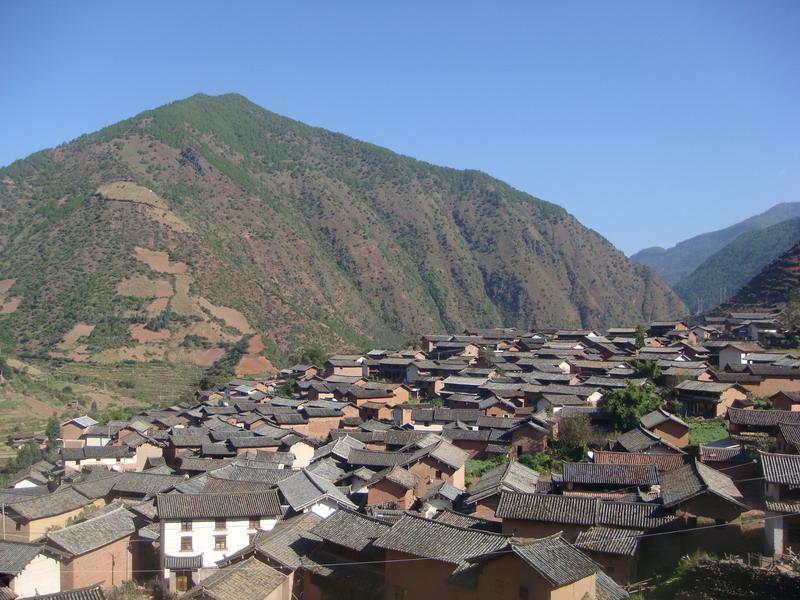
(211, 225)
(678, 262)
(774, 284)
(729, 269)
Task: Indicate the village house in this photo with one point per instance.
(29, 569)
(708, 399)
(29, 520)
(667, 426)
(73, 430)
(197, 530)
(96, 550)
(781, 473)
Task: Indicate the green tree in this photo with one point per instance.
(626, 405)
(313, 355)
(53, 432)
(575, 433)
(641, 336)
(646, 369)
(792, 314)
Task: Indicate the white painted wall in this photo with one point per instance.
(121, 464)
(303, 453)
(324, 509)
(203, 533)
(41, 576)
(25, 483)
(96, 440)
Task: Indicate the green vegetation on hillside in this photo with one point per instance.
(728, 270)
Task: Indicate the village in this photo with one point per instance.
(492, 463)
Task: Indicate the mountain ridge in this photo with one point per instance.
(285, 232)
(679, 261)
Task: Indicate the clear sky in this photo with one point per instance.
(649, 121)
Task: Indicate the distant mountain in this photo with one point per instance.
(678, 262)
(724, 273)
(210, 223)
(774, 284)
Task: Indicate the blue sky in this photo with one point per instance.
(649, 121)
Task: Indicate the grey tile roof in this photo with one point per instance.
(734, 453)
(608, 589)
(512, 477)
(183, 563)
(289, 540)
(15, 556)
(790, 432)
(577, 510)
(762, 418)
(92, 592)
(239, 582)
(780, 468)
(145, 484)
(457, 519)
(555, 560)
(609, 540)
(305, 488)
(197, 506)
(692, 480)
(662, 461)
(610, 474)
(57, 503)
(252, 471)
(339, 447)
(433, 539)
(350, 529)
(659, 416)
(94, 532)
(639, 439)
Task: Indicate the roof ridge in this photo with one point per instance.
(468, 529)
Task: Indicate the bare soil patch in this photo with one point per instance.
(201, 357)
(231, 316)
(142, 287)
(253, 365)
(157, 306)
(182, 303)
(10, 306)
(73, 335)
(255, 345)
(158, 261)
(5, 285)
(143, 335)
(131, 192)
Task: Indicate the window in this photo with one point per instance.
(219, 524)
(499, 588)
(523, 593)
(255, 522)
(186, 525)
(220, 542)
(691, 522)
(186, 544)
(438, 474)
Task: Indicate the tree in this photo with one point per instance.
(313, 355)
(53, 432)
(575, 433)
(646, 369)
(626, 405)
(641, 336)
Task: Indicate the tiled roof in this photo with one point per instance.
(266, 473)
(197, 506)
(790, 432)
(692, 480)
(92, 592)
(639, 439)
(610, 474)
(762, 418)
(659, 416)
(511, 477)
(57, 503)
(555, 560)
(608, 589)
(305, 488)
(145, 484)
(572, 510)
(95, 532)
(780, 468)
(15, 556)
(436, 540)
(350, 529)
(609, 540)
(450, 517)
(662, 461)
(183, 563)
(289, 540)
(735, 453)
(239, 581)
